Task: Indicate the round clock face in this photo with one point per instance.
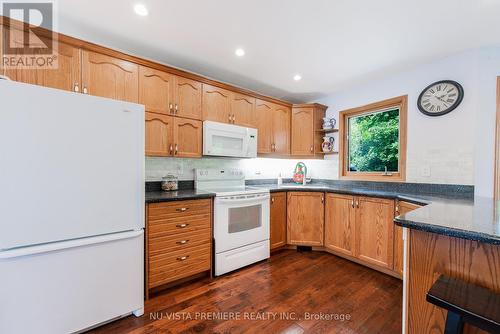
(440, 98)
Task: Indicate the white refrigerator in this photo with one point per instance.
(71, 209)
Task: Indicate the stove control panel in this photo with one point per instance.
(212, 174)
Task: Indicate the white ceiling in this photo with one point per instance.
(332, 43)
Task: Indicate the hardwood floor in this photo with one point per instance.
(288, 287)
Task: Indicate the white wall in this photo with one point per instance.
(457, 147)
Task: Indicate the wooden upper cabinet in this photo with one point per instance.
(66, 75)
(159, 135)
(155, 90)
(305, 218)
(281, 130)
(187, 138)
(110, 77)
(263, 112)
(374, 231)
(187, 95)
(302, 131)
(401, 209)
(243, 110)
(340, 223)
(216, 104)
(278, 220)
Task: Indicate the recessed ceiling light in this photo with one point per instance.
(297, 77)
(239, 52)
(140, 9)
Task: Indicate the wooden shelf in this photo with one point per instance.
(327, 130)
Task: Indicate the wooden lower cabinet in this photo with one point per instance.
(178, 244)
(278, 220)
(401, 209)
(339, 223)
(375, 231)
(305, 218)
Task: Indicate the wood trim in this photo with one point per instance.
(358, 261)
(402, 103)
(496, 194)
(8, 22)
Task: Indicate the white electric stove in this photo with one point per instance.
(241, 218)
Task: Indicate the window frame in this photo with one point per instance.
(400, 102)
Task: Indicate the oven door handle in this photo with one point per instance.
(255, 199)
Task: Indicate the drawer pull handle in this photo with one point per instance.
(182, 225)
(181, 209)
(182, 242)
(182, 258)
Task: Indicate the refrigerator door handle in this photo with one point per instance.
(55, 246)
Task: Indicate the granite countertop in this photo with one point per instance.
(446, 209)
(455, 214)
(159, 196)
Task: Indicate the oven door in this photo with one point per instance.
(224, 140)
(240, 220)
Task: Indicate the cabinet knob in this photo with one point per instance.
(234, 118)
(182, 225)
(176, 109)
(76, 87)
(182, 258)
(85, 91)
(181, 209)
(352, 202)
(182, 242)
(312, 148)
(272, 200)
(176, 149)
(171, 149)
(171, 108)
(322, 199)
(357, 203)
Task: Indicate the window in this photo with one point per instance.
(373, 145)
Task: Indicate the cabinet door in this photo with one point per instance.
(159, 130)
(109, 77)
(281, 130)
(302, 131)
(155, 89)
(187, 94)
(278, 220)
(243, 110)
(264, 113)
(305, 213)
(66, 76)
(216, 104)
(339, 223)
(402, 208)
(187, 138)
(374, 231)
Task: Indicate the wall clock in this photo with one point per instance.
(440, 98)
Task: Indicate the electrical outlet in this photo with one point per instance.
(425, 171)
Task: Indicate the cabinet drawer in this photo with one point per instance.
(162, 211)
(174, 226)
(169, 267)
(179, 241)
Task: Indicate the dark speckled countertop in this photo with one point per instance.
(446, 209)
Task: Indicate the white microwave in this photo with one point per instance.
(227, 140)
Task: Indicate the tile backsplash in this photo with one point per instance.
(258, 168)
